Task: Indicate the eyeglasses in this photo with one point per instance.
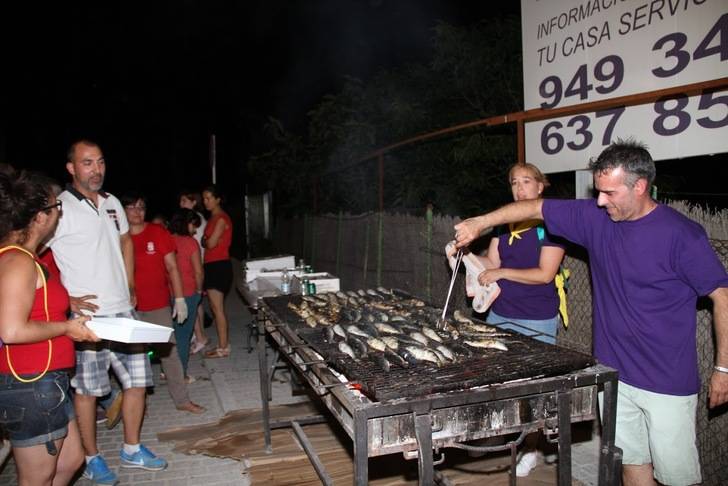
(135, 208)
(58, 205)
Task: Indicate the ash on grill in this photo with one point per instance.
(387, 341)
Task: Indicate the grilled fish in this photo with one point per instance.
(486, 343)
(446, 352)
(339, 331)
(420, 338)
(393, 357)
(386, 328)
(380, 360)
(423, 354)
(352, 329)
(376, 344)
(358, 345)
(346, 349)
(391, 342)
(431, 334)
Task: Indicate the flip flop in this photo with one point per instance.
(218, 353)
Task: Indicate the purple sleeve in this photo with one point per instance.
(567, 218)
(698, 264)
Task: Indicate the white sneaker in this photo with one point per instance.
(528, 461)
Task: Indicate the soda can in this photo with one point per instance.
(304, 287)
(311, 288)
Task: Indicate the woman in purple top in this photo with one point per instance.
(524, 261)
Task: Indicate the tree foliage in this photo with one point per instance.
(475, 72)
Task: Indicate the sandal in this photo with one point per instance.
(218, 353)
(198, 346)
(191, 407)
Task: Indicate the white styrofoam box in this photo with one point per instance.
(271, 263)
(126, 330)
(270, 275)
(325, 282)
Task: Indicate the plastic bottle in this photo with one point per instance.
(285, 282)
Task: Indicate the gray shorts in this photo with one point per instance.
(658, 429)
(129, 361)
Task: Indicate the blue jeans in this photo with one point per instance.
(36, 413)
(540, 329)
(183, 331)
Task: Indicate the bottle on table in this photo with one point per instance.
(285, 282)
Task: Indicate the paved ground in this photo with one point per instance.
(224, 385)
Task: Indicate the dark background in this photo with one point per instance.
(152, 81)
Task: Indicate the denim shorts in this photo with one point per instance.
(35, 413)
(540, 329)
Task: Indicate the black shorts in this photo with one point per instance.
(219, 275)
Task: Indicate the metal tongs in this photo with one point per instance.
(458, 258)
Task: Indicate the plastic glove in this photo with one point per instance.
(180, 310)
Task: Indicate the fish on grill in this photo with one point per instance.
(486, 344)
(419, 353)
(376, 344)
(346, 349)
(357, 345)
(381, 361)
(395, 358)
(386, 328)
(357, 331)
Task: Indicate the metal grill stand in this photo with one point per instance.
(416, 426)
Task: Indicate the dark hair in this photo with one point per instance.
(192, 196)
(22, 196)
(72, 149)
(631, 156)
(212, 189)
(129, 198)
(180, 219)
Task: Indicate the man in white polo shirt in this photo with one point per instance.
(94, 252)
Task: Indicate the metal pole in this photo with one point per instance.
(338, 242)
(521, 129)
(361, 449)
(264, 396)
(213, 158)
(423, 433)
(564, 468)
(312, 456)
(366, 252)
(380, 248)
(428, 253)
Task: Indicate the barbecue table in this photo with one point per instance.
(415, 421)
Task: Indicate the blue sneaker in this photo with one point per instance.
(143, 459)
(98, 471)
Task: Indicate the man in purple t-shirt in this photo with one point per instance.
(649, 265)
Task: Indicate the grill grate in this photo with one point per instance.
(526, 358)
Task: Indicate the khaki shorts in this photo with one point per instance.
(653, 428)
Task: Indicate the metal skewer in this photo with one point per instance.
(458, 259)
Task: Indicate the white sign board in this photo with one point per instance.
(577, 51)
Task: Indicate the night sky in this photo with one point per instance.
(152, 81)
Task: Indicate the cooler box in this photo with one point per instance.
(256, 266)
(325, 282)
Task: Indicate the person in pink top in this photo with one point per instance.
(193, 200)
(218, 268)
(183, 225)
